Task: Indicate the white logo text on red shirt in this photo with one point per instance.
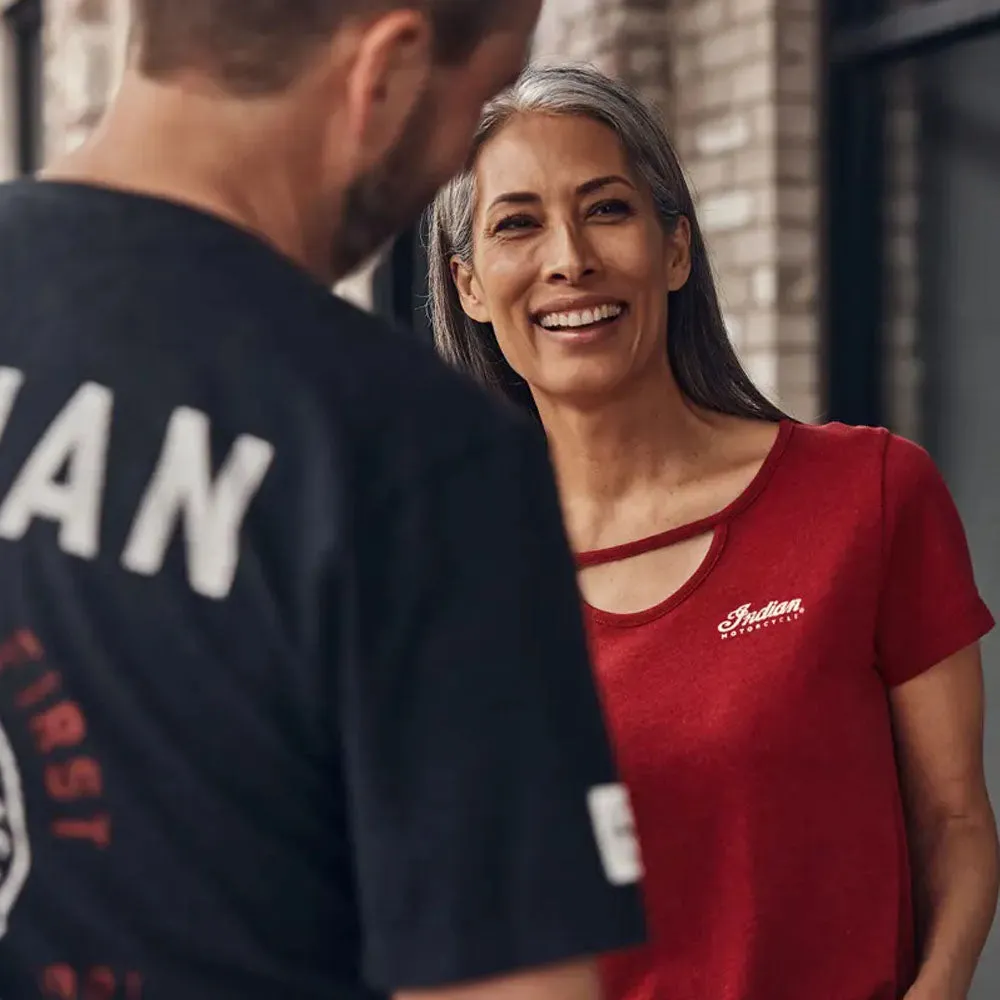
(749, 619)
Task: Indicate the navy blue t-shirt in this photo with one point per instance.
(294, 692)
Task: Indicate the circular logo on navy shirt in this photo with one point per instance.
(15, 849)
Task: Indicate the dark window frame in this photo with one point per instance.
(399, 284)
(912, 30)
(24, 20)
(861, 38)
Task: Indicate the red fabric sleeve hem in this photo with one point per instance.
(974, 622)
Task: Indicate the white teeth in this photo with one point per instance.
(580, 317)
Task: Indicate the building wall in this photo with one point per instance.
(85, 44)
(8, 107)
(736, 83)
(903, 375)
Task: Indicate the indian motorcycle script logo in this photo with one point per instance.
(747, 619)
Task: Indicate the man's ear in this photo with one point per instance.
(470, 292)
(388, 73)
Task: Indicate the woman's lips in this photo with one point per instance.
(583, 334)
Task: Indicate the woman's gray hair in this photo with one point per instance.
(703, 361)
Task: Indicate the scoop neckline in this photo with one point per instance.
(717, 523)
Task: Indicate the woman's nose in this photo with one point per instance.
(570, 256)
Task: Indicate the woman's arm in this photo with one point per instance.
(938, 721)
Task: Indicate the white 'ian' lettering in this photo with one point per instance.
(74, 445)
(63, 481)
(746, 615)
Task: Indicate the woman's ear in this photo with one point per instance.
(469, 291)
(679, 255)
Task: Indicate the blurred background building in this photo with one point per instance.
(846, 158)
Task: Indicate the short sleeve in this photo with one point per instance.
(475, 749)
(929, 606)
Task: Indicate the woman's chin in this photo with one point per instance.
(590, 384)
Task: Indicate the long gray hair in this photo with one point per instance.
(702, 359)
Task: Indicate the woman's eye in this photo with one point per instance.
(514, 222)
(614, 207)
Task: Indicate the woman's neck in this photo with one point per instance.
(610, 458)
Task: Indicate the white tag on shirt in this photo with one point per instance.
(614, 830)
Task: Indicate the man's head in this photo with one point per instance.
(384, 94)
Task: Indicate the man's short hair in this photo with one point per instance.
(256, 47)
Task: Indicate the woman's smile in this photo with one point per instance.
(576, 323)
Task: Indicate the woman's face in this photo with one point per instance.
(571, 264)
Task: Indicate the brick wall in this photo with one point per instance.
(744, 119)
(8, 108)
(631, 39)
(84, 55)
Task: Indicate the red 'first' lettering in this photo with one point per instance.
(79, 778)
(63, 982)
(97, 829)
(59, 982)
(62, 725)
(39, 691)
(23, 646)
(101, 984)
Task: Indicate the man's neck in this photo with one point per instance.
(233, 160)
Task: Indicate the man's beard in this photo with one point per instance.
(387, 198)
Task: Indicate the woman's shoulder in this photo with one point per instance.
(850, 450)
(843, 436)
(848, 443)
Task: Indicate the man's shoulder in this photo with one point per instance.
(405, 408)
(195, 308)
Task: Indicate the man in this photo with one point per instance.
(294, 694)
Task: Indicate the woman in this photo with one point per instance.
(784, 618)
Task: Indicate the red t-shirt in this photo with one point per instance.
(752, 723)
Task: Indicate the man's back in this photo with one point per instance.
(267, 729)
